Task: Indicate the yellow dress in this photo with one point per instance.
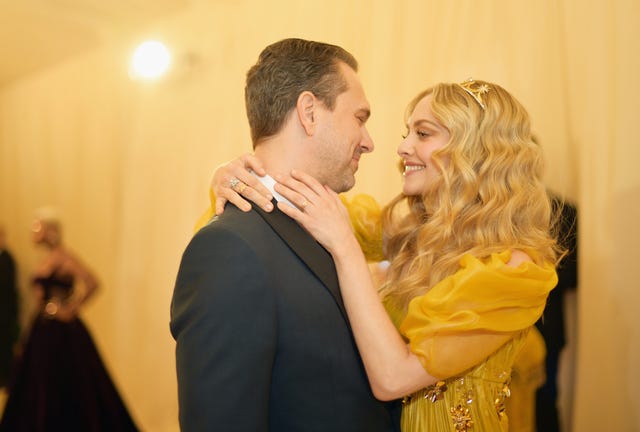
(468, 330)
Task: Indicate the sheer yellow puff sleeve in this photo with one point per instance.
(469, 315)
(365, 215)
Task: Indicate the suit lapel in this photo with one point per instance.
(307, 249)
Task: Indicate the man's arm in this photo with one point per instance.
(223, 320)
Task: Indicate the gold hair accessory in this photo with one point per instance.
(474, 89)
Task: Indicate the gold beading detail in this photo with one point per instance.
(436, 391)
(500, 401)
(461, 418)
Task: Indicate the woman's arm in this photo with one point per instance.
(85, 287)
(393, 370)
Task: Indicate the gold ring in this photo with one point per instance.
(237, 185)
(304, 203)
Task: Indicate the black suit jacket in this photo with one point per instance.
(263, 341)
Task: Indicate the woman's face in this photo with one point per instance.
(38, 231)
(424, 136)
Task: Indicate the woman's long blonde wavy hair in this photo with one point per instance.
(489, 198)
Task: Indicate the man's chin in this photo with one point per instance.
(342, 184)
(348, 184)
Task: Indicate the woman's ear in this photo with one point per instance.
(306, 109)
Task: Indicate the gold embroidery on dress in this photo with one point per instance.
(432, 393)
(503, 394)
(461, 418)
(435, 392)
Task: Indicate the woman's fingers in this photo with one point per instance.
(318, 209)
(233, 182)
(296, 191)
(309, 181)
(328, 224)
(253, 163)
(294, 213)
(303, 190)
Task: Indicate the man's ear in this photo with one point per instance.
(306, 109)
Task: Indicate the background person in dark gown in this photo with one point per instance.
(9, 327)
(60, 382)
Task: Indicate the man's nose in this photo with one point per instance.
(366, 145)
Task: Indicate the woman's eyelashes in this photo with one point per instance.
(420, 133)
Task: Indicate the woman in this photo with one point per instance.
(470, 249)
(60, 382)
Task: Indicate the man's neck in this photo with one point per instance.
(279, 158)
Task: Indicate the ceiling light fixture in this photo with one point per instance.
(150, 60)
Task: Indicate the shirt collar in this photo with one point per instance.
(269, 182)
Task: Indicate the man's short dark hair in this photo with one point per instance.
(283, 71)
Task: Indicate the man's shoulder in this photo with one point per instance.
(232, 218)
(233, 225)
(233, 232)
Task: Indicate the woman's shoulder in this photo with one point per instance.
(506, 260)
(499, 271)
(518, 256)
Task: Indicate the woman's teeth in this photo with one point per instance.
(410, 168)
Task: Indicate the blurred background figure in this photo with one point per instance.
(9, 327)
(59, 381)
(552, 325)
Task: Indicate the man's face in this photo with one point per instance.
(342, 135)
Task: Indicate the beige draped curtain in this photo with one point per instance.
(128, 163)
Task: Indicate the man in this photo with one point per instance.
(263, 340)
